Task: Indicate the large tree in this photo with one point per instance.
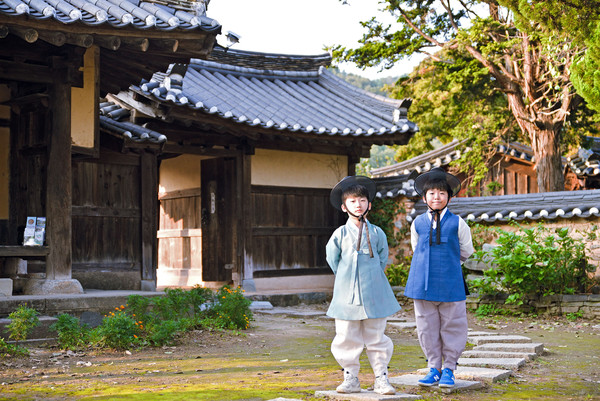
(530, 66)
(578, 20)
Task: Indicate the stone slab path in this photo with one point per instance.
(365, 395)
(494, 357)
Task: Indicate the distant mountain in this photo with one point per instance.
(375, 86)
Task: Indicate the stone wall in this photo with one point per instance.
(586, 305)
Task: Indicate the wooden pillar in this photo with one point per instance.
(59, 181)
(149, 211)
(245, 219)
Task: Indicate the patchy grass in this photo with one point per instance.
(290, 357)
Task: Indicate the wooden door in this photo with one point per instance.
(218, 220)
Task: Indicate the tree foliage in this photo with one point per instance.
(458, 99)
(530, 66)
(578, 20)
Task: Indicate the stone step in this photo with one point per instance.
(42, 331)
(403, 325)
(481, 333)
(413, 380)
(506, 363)
(537, 348)
(478, 340)
(474, 373)
(498, 354)
(365, 395)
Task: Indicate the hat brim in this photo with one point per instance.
(437, 174)
(335, 197)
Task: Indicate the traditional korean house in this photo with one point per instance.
(511, 169)
(517, 198)
(255, 142)
(57, 58)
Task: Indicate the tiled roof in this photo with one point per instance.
(547, 205)
(308, 99)
(443, 156)
(109, 115)
(164, 15)
(586, 162)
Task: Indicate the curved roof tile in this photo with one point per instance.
(117, 13)
(546, 205)
(309, 100)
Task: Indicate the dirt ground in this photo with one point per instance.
(288, 356)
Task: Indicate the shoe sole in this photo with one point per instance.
(428, 384)
(446, 385)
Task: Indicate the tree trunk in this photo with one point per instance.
(545, 138)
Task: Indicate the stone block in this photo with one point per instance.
(477, 373)
(505, 363)
(413, 381)
(365, 395)
(47, 286)
(498, 354)
(478, 340)
(6, 287)
(537, 348)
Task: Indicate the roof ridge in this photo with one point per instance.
(249, 71)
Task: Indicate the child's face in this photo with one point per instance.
(356, 205)
(437, 199)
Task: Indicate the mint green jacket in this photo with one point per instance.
(361, 289)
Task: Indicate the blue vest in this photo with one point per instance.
(435, 272)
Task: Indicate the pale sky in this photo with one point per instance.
(301, 27)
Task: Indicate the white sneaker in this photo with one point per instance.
(383, 386)
(350, 384)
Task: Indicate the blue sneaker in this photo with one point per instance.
(432, 378)
(447, 379)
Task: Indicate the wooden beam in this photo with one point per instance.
(80, 40)
(20, 71)
(139, 44)
(200, 150)
(54, 38)
(27, 34)
(3, 31)
(171, 45)
(108, 42)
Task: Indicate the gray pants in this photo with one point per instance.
(442, 328)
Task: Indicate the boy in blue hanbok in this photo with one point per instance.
(362, 300)
(441, 242)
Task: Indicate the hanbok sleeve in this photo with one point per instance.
(382, 248)
(333, 251)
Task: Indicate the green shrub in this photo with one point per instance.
(22, 321)
(70, 333)
(165, 332)
(10, 350)
(397, 274)
(231, 310)
(489, 310)
(537, 262)
(119, 330)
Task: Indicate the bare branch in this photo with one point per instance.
(418, 30)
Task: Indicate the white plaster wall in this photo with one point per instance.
(182, 172)
(296, 169)
(83, 103)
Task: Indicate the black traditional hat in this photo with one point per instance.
(437, 174)
(336, 193)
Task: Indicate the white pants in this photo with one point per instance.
(352, 336)
(442, 328)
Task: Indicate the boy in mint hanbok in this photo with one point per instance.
(441, 242)
(357, 252)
